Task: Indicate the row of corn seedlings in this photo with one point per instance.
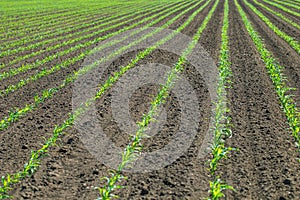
(282, 8)
(34, 161)
(86, 33)
(26, 67)
(290, 40)
(278, 78)
(288, 4)
(291, 22)
(48, 93)
(132, 150)
(222, 126)
(65, 63)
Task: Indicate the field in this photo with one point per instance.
(161, 99)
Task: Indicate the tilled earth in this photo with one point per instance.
(264, 167)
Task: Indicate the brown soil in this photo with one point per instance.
(265, 166)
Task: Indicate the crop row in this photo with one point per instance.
(32, 165)
(283, 8)
(221, 121)
(275, 71)
(132, 150)
(293, 43)
(15, 115)
(278, 14)
(65, 63)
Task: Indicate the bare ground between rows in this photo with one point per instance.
(285, 55)
(25, 95)
(69, 172)
(265, 167)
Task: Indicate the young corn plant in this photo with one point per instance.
(32, 165)
(275, 72)
(4, 123)
(217, 187)
(133, 149)
(221, 129)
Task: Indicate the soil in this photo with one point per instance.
(264, 167)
